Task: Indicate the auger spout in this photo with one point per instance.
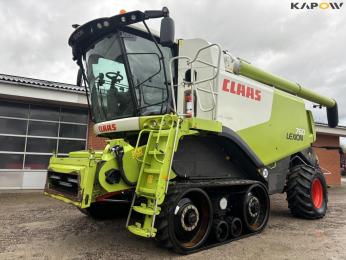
(248, 70)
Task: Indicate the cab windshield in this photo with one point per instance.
(126, 77)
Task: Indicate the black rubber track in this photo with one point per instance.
(163, 238)
(299, 182)
(162, 235)
(166, 230)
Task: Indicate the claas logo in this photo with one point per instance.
(239, 89)
(107, 128)
(315, 5)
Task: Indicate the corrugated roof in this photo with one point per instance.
(326, 125)
(40, 83)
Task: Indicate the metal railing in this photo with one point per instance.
(195, 84)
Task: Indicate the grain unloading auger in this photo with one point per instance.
(196, 138)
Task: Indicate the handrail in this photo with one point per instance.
(171, 77)
(195, 84)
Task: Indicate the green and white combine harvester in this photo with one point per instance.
(197, 139)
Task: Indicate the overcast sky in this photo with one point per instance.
(306, 46)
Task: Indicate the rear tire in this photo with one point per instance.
(307, 193)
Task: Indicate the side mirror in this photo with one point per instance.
(167, 32)
(79, 78)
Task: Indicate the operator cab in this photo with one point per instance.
(125, 68)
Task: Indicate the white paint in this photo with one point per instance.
(22, 179)
(34, 180)
(24, 91)
(223, 203)
(124, 124)
(237, 112)
(189, 48)
(11, 180)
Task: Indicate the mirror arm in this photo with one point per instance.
(149, 14)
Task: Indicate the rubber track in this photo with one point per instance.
(162, 236)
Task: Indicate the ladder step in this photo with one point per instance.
(152, 170)
(156, 152)
(147, 191)
(143, 209)
(139, 231)
(162, 133)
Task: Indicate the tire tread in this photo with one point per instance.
(299, 192)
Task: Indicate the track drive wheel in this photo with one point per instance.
(256, 207)
(307, 194)
(185, 220)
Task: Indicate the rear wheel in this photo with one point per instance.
(307, 192)
(185, 220)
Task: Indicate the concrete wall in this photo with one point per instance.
(329, 159)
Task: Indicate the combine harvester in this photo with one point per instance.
(197, 139)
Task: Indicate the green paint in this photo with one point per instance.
(269, 140)
(155, 172)
(204, 124)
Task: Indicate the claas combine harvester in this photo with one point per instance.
(197, 139)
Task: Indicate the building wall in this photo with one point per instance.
(94, 142)
(329, 159)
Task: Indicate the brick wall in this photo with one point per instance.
(329, 159)
(94, 142)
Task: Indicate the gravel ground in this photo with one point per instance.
(33, 226)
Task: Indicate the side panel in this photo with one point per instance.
(189, 48)
(273, 123)
(202, 157)
(242, 102)
(277, 175)
(287, 132)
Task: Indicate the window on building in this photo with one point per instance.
(30, 133)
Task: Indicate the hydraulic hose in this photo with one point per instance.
(119, 154)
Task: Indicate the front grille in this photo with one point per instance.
(63, 183)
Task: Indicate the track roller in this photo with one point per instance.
(235, 226)
(220, 230)
(256, 208)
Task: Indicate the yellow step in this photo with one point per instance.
(139, 231)
(156, 152)
(162, 133)
(152, 170)
(143, 209)
(147, 191)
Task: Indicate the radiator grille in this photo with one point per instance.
(63, 183)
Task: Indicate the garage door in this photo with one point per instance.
(30, 133)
